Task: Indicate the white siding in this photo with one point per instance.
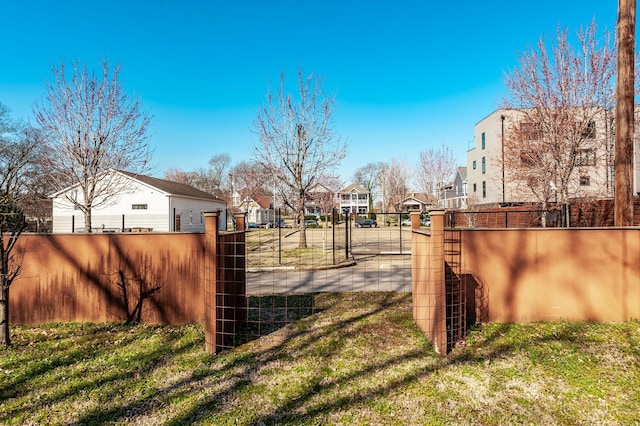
(191, 213)
(154, 211)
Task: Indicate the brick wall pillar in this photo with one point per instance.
(415, 219)
(240, 219)
(211, 219)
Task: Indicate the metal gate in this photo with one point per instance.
(343, 254)
(455, 285)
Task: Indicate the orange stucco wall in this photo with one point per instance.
(526, 275)
(76, 277)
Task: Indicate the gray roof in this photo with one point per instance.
(173, 188)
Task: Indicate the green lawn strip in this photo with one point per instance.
(357, 359)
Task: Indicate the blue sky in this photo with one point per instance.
(407, 75)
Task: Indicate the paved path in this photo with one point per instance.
(373, 273)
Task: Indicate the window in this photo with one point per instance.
(483, 140)
(475, 188)
(589, 131)
(530, 131)
(138, 207)
(484, 165)
(474, 164)
(587, 157)
(585, 180)
(484, 189)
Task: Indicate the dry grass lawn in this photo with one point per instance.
(358, 359)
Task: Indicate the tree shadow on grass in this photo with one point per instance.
(221, 386)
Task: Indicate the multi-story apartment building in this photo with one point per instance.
(493, 180)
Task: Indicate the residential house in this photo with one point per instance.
(418, 201)
(257, 206)
(320, 201)
(454, 195)
(138, 203)
(354, 199)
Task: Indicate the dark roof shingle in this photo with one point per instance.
(173, 188)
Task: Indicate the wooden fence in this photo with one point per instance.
(158, 278)
(524, 275)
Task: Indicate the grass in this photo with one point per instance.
(358, 359)
(266, 249)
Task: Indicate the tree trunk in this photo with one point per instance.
(303, 229)
(87, 221)
(623, 215)
(5, 338)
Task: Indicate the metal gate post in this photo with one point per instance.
(347, 217)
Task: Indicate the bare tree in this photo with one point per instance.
(219, 166)
(247, 179)
(297, 141)
(19, 159)
(249, 176)
(560, 99)
(324, 196)
(471, 211)
(368, 176)
(435, 169)
(393, 180)
(177, 175)
(90, 126)
(214, 178)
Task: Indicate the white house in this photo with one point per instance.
(257, 206)
(354, 199)
(140, 203)
(320, 201)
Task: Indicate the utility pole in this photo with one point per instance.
(625, 77)
(502, 143)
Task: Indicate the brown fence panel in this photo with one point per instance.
(524, 275)
(154, 278)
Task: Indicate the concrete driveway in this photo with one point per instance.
(370, 273)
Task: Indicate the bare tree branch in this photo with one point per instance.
(297, 141)
(19, 158)
(435, 168)
(90, 126)
(368, 176)
(557, 108)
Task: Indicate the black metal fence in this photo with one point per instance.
(511, 217)
(343, 253)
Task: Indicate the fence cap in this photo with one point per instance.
(210, 213)
(436, 212)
